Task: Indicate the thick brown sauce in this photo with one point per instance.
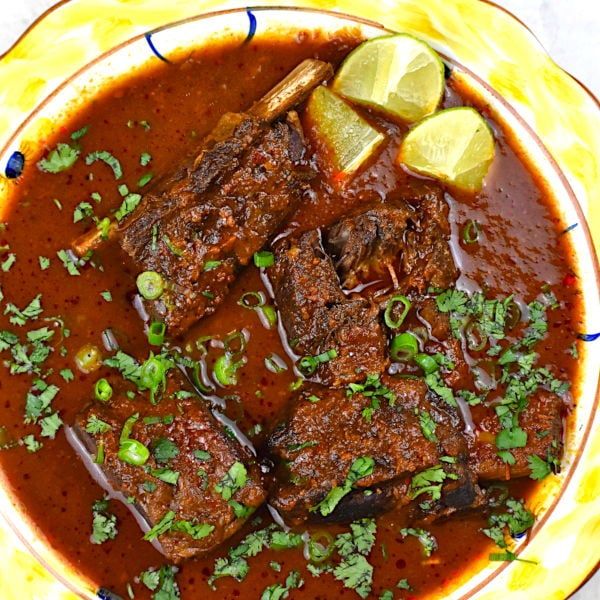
(522, 249)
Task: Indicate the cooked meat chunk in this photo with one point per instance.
(207, 222)
(318, 317)
(367, 243)
(381, 422)
(410, 233)
(541, 420)
(196, 474)
(427, 260)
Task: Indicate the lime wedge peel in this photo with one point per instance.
(455, 145)
(349, 139)
(397, 74)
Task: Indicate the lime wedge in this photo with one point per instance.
(349, 139)
(454, 145)
(397, 74)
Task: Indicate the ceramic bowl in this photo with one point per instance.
(81, 45)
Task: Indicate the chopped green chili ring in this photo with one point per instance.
(513, 315)
(156, 333)
(264, 259)
(88, 358)
(470, 232)
(475, 337)
(387, 315)
(318, 551)
(225, 370)
(150, 284)
(427, 363)
(404, 347)
(103, 390)
(133, 453)
(268, 316)
(152, 373)
(252, 300)
(308, 364)
(235, 343)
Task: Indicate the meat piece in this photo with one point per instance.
(319, 317)
(189, 427)
(208, 221)
(542, 420)
(319, 441)
(365, 244)
(409, 232)
(427, 260)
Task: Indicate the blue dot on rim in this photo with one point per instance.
(15, 165)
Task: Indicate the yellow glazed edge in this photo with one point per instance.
(487, 39)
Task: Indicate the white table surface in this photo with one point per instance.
(568, 29)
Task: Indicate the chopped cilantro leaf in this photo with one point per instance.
(161, 527)
(167, 475)
(356, 574)
(67, 375)
(129, 204)
(232, 481)
(95, 426)
(279, 591)
(145, 179)
(224, 567)
(50, 425)
(69, 262)
(427, 541)
(145, 159)
(164, 450)
(104, 524)
(44, 262)
(8, 262)
(427, 426)
(106, 295)
(107, 158)
(77, 135)
(20, 317)
(196, 532)
(202, 455)
(59, 159)
(362, 467)
(540, 469)
(82, 211)
(162, 583)
(31, 444)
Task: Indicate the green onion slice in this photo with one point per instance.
(268, 316)
(133, 453)
(225, 369)
(308, 364)
(156, 333)
(150, 284)
(470, 232)
(427, 363)
(235, 343)
(404, 347)
(476, 338)
(320, 546)
(387, 315)
(152, 373)
(264, 259)
(103, 390)
(252, 300)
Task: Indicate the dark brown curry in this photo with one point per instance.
(413, 450)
